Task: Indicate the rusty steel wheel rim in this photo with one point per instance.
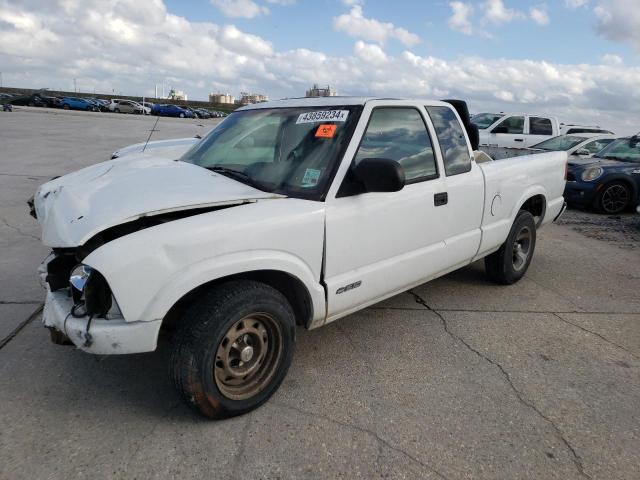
(521, 248)
(248, 356)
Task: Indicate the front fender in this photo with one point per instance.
(149, 270)
(193, 276)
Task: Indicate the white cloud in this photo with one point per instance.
(576, 3)
(497, 13)
(129, 47)
(370, 53)
(356, 25)
(460, 20)
(612, 59)
(539, 14)
(619, 20)
(240, 8)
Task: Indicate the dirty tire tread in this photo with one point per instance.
(499, 265)
(194, 334)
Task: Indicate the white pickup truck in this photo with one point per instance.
(522, 130)
(295, 212)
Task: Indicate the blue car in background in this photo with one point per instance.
(171, 111)
(73, 103)
(609, 181)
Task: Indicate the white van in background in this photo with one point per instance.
(521, 130)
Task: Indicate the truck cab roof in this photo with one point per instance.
(330, 102)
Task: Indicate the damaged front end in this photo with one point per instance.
(80, 309)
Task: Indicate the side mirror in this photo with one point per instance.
(583, 152)
(380, 175)
(500, 129)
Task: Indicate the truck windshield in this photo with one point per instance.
(560, 144)
(624, 150)
(485, 120)
(292, 151)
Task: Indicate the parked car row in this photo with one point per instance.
(116, 105)
(520, 130)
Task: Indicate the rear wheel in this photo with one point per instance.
(181, 115)
(116, 110)
(614, 198)
(65, 106)
(511, 261)
(233, 349)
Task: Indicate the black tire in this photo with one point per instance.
(202, 367)
(181, 115)
(508, 265)
(65, 107)
(116, 110)
(614, 198)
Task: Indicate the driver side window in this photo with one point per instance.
(400, 134)
(511, 125)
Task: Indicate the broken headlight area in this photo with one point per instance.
(86, 286)
(90, 292)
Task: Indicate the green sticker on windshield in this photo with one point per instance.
(311, 177)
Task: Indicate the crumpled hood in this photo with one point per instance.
(73, 208)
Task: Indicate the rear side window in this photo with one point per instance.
(453, 143)
(540, 126)
(400, 134)
(597, 145)
(513, 125)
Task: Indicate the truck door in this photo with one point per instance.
(378, 244)
(464, 184)
(508, 133)
(540, 129)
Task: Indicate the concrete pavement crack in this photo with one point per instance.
(597, 335)
(577, 460)
(242, 448)
(20, 302)
(20, 326)
(153, 429)
(374, 409)
(365, 431)
(564, 297)
(17, 229)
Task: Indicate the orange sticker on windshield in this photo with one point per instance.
(326, 131)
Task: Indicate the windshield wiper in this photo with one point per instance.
(614, 157)
(238, 175)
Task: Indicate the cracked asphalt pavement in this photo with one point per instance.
(456, 379)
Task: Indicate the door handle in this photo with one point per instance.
(519, 139)
(440, 199)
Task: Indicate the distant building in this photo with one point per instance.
(221, 98)
(249, 98)
(177, 95)
(316, 91)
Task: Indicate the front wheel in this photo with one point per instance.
(511, 261)
(614, 198)
(233, 349)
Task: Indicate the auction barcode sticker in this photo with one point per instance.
(323, 116)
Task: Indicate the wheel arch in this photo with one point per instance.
(622, 178)
(293, 289)
(534, 202)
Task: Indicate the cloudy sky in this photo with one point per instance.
(578, 59)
